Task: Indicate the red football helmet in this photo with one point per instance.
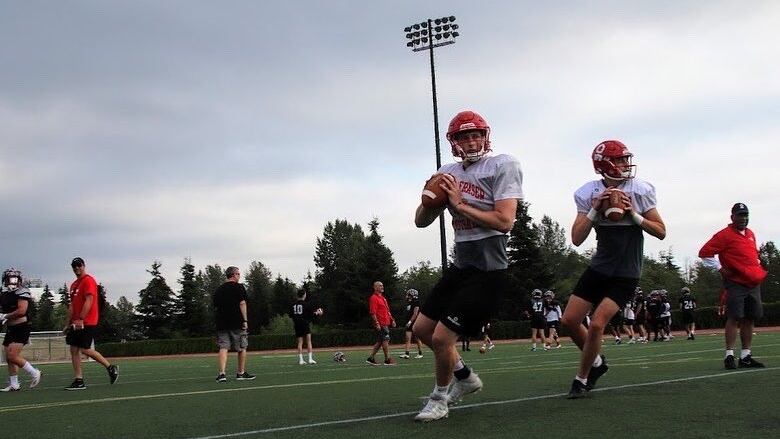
(604, 156)
(468, 121)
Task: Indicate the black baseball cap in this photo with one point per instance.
(76, 262)
(739, 208)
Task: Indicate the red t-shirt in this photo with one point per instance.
(737, 253)
(377, 305)
(79, 290)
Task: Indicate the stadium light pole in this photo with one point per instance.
(428, 35)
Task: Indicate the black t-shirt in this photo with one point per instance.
(410, 306)
(655, 308)
(226, 306)
(301, 312)
(537, 307)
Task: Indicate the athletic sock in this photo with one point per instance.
(28, 368)
(310, 357)
(534, 345)
(584, 381)
(597, 362)
(440, 390)
(13, 380)
(300, 357)
(744, 353)
(461, 371)
(407, 353)
(729, 352)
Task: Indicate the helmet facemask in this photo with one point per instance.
(465, 137)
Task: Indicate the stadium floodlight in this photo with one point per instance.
(436, 32)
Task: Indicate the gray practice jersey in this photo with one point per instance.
(619, 244)
(491, 179)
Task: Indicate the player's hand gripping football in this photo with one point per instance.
(452, 189)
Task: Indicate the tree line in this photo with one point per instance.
(348, 259)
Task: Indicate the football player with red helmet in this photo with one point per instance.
(482, 195)
(615, 268)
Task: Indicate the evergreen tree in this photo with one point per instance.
(64, 294)
(45, 319)
(340, 275)
(527, 269)
(283, 295)
(258, 280)
(105, 325)
(156, 306)
(207, 282)
(422, 277)
(706, 285)
(125, 320)
(62, 310)
(379, 265)
(565, 264)
(770, 259)
(191, 307)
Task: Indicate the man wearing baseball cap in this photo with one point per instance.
(738, 263)
(82, 326)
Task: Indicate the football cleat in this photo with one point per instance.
(311, 361)
(405, 356)
(596, 373)
(35, 379)
(578, 390)
(419, 355)
(729, 363)
(435, 408)
(460, 388)
(749, 362)
(113, 373)
(10, 388)
(390, 361)
(301, 362)
(221, 378)
(371, 361)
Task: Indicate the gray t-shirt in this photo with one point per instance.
(491, 179)
(619, 244)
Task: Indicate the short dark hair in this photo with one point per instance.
(301, 293)
(230, 272)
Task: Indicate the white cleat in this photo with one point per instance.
(418, 356)
(311, 361)
(436, 408)
(35, 379)
(10, 388)
(301, 362)
(460, 388)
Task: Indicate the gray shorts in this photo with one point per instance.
(234, 340)
(743, 302)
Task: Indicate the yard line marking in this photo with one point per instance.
(475, 405)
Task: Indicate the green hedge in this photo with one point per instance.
(706, 318)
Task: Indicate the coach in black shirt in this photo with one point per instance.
(230, 315)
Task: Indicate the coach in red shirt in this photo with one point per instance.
(742, 273)
(383, 320)
(81, 329)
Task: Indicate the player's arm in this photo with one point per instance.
(649, 221)
(584, 221)
(423, 216)
(501, 218)
(242, 307)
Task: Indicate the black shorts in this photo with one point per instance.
(594, 286)
(687, 317)
(83, 338)
(17, 334)
(554, 324)
(743, 302)
(301, 329)
(538, 322)
(464, 300)
(617, 320)
(640, 319)
(383, 334)
(629, 322)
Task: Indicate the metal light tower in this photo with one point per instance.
(425, 36)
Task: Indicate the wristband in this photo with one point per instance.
(592, 214)
(638, 219)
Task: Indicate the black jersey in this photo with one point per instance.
(9, 300)
(301, 312)
(687, 303)
(537, 308)
(655, 308)
(410, 307)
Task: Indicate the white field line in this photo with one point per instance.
(481, 404)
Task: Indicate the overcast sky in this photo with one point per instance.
(233, 131)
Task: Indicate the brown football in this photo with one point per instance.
(433, 196)
(615, 208)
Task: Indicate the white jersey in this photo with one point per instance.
(491, 179)
(628, 312)
(554, 314)
(667, 309)
(619, 244)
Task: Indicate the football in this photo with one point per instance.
(615, 208)
(433, 196)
